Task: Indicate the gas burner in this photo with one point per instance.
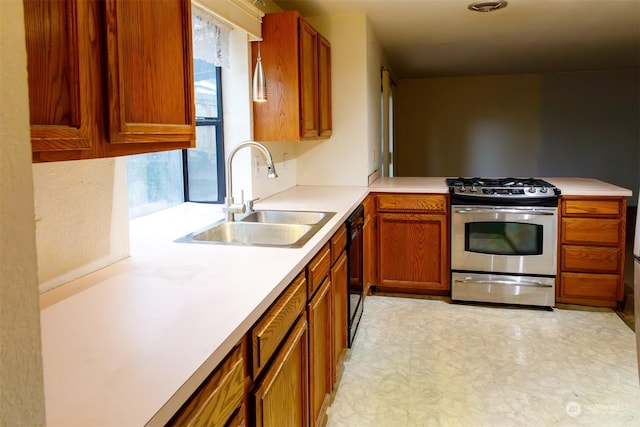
(506, 191)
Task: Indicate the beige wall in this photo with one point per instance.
(21, 383)
(352, 152)
(564, 124)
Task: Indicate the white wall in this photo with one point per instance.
(566, 124)
(82, 220)
(21, 382)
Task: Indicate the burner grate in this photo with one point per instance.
(498, 182)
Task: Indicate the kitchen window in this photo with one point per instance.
(160, 180)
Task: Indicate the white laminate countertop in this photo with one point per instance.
(587, 187)
(411, 184)
(128, 344)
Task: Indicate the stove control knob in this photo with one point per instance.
(532, 189)
(474, 189)
(462, 189)
(543, 190)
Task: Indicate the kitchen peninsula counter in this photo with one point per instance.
(436, 185)
(128, 344)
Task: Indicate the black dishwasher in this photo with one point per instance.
(355, 268)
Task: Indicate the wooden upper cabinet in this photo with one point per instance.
(103, 73)
(60, 39)
(150, 72)
(296, 60)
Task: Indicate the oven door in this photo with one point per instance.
(519, 240)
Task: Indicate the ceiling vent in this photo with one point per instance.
(487, 6)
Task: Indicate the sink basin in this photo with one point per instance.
(289, 217)
(290, 229)
(253, 234)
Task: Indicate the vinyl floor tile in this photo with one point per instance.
(420, 362)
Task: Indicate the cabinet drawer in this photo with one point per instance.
(591, 230)
(594, 286)
(219, 396)
(592, 207)
(412, 202)
(590, 259)
(338, 243)
(318, 269)
(271, 329)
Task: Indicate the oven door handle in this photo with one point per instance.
(505, 282)
(503, 210)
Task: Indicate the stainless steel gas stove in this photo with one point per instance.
(503, 240)
(510, 191)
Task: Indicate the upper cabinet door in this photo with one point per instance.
(324, 87)
(309, 126)
(59, 39)
(149, 72)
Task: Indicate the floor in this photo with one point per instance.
(421, 362)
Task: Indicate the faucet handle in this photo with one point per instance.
(250, 204)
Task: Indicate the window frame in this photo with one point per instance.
(217, 122)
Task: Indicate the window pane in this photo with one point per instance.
(206, 88)
(203, 166)
(155, 182)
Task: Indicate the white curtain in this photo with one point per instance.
(210, 38)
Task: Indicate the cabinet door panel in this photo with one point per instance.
(58, 38)
(596, 286)
(150, 79)
(592, 207)
(318, 269)
(271, 329)
(339, 312)
(285, 384)
(220, 396)
(320, 353)
(412, 202)
(308, 80)
(412, 251)
(591, 231)
(370, 243)
(324, 87)
(590, 259)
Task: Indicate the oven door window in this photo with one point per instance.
(503, 238)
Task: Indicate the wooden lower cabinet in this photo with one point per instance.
(320, 353)
(280, 399)
(413, 243)
(591, 250)
(370, 243)
(339, 292)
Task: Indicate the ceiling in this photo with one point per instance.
(426, 38)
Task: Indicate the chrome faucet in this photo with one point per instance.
(230, 208)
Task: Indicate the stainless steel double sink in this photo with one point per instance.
(291, 229)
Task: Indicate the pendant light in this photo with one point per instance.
(259, 81)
